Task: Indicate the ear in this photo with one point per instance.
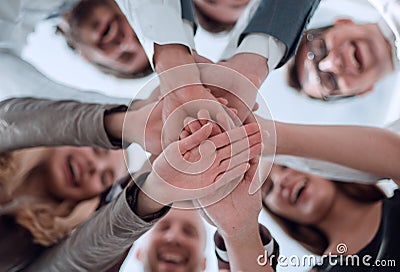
(139, 254)
(84, 56)
(343, 21)
(367, 90)
(204, 264)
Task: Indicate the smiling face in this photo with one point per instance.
(101, 33)
(176, 243)
(346, 59)
(79, 173)
(297, 196)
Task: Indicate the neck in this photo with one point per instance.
(347, 214)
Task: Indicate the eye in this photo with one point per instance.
(328, 80)
(319, 49)
(190, 231)
(100, 151)
(269, 185)
(162, 226)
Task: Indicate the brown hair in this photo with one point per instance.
(310, 237)
(47, 219)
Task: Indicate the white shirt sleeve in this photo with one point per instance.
(157, 22)
(257, 43)
(263, 45)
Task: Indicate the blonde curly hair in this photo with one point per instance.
(47, 219)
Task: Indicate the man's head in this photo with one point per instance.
(176, 243)
(343, 60)
(99, 31)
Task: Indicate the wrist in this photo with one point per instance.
(154, 188)
(141, 204)
(241, 235)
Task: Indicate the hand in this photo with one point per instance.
(188, 102)
(237, 80)
(253, 66)
(144, 126)
(237, 213)
(217, 161)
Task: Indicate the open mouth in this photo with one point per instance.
(172, 258)
(297, 191)
(111, 32)
(355, 57)
(73, 171)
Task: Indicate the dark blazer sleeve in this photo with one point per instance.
(284, 20)
(187, 10)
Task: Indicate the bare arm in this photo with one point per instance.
(368, 149)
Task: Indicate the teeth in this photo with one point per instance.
(296, 190)
(109, 36)
(352, 56)
(72, 167)
(173, 258)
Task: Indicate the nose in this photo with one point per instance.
(96, 163)
(331, 63)
(173, 235)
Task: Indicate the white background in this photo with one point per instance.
(49, 53)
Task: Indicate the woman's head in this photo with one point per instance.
(298, 196)
(79, 173)
(299, 202)
(57, 188)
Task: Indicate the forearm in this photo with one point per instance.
(28, 122)
(98, 243)
(169, 56)
(367, 149)
(244, 251)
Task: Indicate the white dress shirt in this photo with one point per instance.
(159, 21)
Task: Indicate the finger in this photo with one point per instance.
(238, 147)
(232, 174)
(204, 116)
(215, 129)
(224, 120)
(195, 139)
(234, 111)
(255, 107)
(234, 135)
(193, 124)
(244, 156)
(222, 100)
(184, 134)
